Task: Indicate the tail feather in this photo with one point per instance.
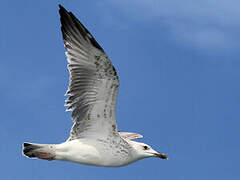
(41, 151)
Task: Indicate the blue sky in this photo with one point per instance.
(179, 69)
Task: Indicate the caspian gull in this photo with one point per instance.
(93, 88)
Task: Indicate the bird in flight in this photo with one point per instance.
(92, 93)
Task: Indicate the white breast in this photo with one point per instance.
(91, 152)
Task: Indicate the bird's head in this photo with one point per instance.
(145, 151)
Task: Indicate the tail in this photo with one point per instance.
(41, 151)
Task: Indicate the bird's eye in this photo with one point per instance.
(145, 147)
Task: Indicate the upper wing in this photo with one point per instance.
(93, 86)
(130, 135)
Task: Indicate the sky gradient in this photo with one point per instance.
(179, 70)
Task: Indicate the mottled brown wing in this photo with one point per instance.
(93, 85)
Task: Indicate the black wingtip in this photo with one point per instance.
(68, 21)
(60, 6)
(62, 10)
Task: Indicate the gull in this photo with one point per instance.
(92, 94)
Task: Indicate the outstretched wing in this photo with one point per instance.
(130, 135)
(93, 86)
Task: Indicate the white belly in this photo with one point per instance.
(90, 152)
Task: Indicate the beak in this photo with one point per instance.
(161, 155)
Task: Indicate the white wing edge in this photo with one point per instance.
(130, 135)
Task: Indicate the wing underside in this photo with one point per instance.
(93, 85)
(130, 135)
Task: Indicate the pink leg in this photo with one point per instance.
(44, 155)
